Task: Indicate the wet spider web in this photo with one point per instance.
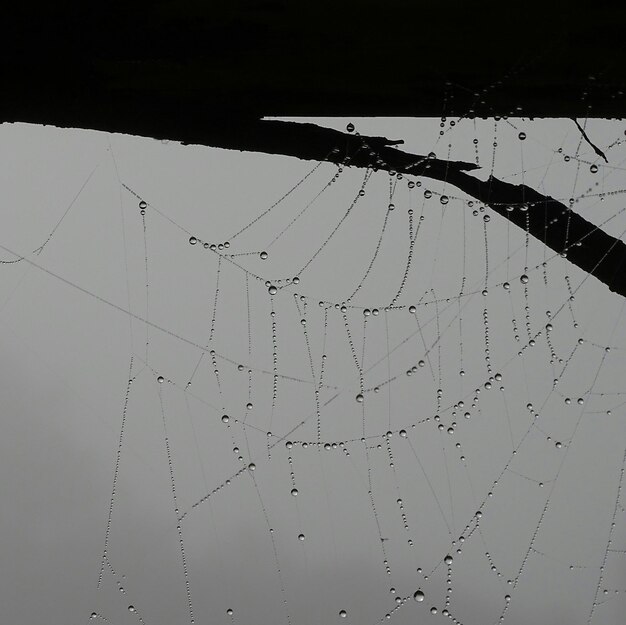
(360, 396)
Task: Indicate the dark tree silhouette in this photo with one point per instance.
(548, 220)
(206, 73)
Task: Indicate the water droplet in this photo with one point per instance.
(225, 418)
(343, 613)
(193, 240)
(263, 255)
(272, 290)
(593, 169)
(252, 466)
(229, 612)
(444, 199)
(448, 559)
(403, 433)
(558, 445)
(433, 610)
(428, 193)
(294, 492)
(143, 205)
(359, 398)
(131, 608)
(300, 536)
(522, 136)
(412, 309)
(160, 379)
(506, 286)
(523, 279)
(350, 127)
(418, 595)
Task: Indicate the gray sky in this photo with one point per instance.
(67, 340)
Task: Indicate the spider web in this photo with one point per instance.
(346, 395)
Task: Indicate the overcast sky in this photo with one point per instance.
(541, 462)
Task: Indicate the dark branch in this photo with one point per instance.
(554, 224)
(551, 222)
(596, 149)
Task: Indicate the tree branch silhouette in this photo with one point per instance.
(553, 223)
(596, 149)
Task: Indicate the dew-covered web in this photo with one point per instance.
(357, 395)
